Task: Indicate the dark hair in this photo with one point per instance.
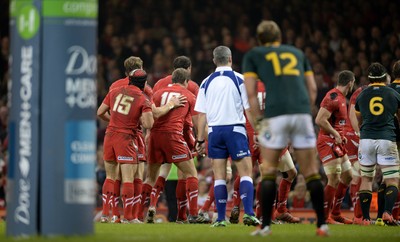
(268, 32)
(345, 77)
(182, 62)
(377, 73)
(180, 75)
(138, 78)
(396, 70)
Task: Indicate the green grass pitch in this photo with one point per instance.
(187, 232)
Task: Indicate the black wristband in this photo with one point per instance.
(200, 142)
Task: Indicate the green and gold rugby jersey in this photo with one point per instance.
(282, 69)
(395, 85)
(378, 105)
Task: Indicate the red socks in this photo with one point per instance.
(181, 199)
(283, 194)
(137, 194)
(146, 190)
(115, 202)
(156, 191)
(127, 199)
(192, 188)
(210, 198)
(339, 195)
(236, 193)
(108, 195)
(329, 194)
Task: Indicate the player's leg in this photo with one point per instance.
(152, 174)
(203, 212)
(192, 187)
(138, 178)
(273, 138)
(309, 167)
(181, 197)
(158, 187)
(367, 167)
(345, 179)
(351, 145)
(332, 170)
(137, 184)
(237, 145)
(127, 171)
(268, 189)
(117, 193)
(354, 188)
(388, 160)
(235, 212)
(218, 153)
(303, 141)
(289, 172)
(108, 188)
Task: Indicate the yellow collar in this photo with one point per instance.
(275, 44)
(377, 84)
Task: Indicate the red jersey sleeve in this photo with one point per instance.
(354, 96)
(193, 87)
(148, 91)
(192, 102)
(106, 100)
(146, 105)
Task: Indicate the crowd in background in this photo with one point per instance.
(335, 35)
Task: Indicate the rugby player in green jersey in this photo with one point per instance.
(291, 88)
(375, 108)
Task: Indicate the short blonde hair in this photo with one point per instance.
(268, 32)
(132, 63)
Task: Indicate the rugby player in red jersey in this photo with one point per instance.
(181, 196)
(352, 144)
(331, 118)
(167, 143)
(127, 106)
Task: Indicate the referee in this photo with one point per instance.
(221, 103)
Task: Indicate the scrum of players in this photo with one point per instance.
(157, 127)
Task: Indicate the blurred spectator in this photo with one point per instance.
(203, 192)
(299, 197)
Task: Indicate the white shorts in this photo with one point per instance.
(277, 132)
(382, 152)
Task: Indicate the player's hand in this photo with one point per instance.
(178, 101)
(256, 143)
(201, 148)
(338, 139)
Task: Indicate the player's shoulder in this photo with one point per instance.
(119, 83)
(239, 75)
(163, 82)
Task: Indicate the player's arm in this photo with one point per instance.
(311, 88)
(353, 119)
(147, 120)
(102, 112)
(254, 114)
(201, 137)
(174, 102)
(322, 120)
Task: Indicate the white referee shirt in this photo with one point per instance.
(223, 98)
